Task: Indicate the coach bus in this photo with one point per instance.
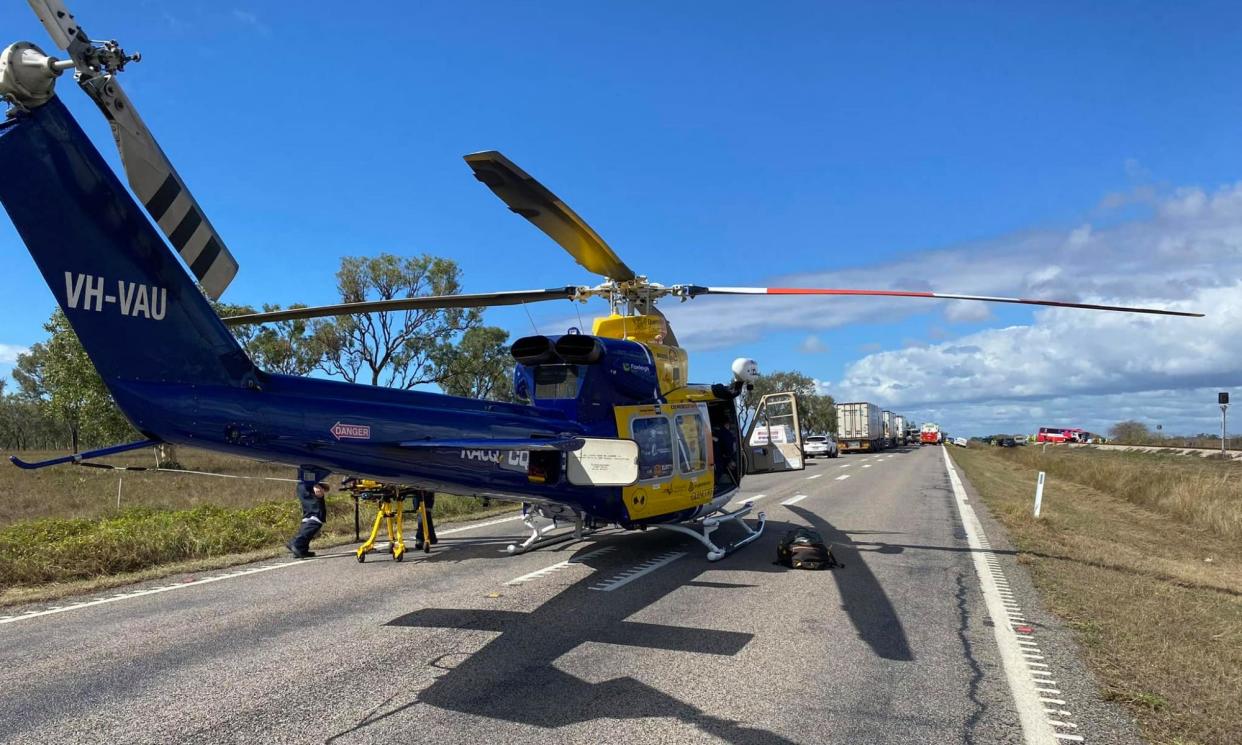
(1061, 434)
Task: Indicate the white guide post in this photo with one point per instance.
(1039, 493)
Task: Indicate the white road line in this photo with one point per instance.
(843, 477)
(1063, 736)
(794, 500)
(638, 570)
(152, 591)
(808, 478)
(1035, 727)
(866, 465)
(846, 465)
(538, 573)
(128, 595)
(464, 528)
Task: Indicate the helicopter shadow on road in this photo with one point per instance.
(862, 596)
(513, 677)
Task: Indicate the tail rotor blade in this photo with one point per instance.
(160, 189)
(150, 174)
(695, 291)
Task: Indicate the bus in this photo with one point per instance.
(1062, 434)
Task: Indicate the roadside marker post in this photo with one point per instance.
(1039, 493)
(1222, 398)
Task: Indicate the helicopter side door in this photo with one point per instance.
(774, 440)
(676, 467)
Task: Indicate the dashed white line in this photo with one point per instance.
(794, 499)
(539, 573)
(866, 465)
(808, 478)
(843, 477)
(638, 570)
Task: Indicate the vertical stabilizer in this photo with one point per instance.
(139, 315)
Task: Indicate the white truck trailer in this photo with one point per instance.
(860, 427)
(899, 430)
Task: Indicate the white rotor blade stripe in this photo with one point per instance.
(695, 291)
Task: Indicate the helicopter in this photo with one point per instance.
(610, 429)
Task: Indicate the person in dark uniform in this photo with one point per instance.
(313, 498)
(427, 497)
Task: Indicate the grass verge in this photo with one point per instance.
(1152, 589)
(82, 528)
(51, 579)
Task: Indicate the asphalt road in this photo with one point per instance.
(575, 643)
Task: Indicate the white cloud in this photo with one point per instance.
(9, 352)
(813, 345)
(1192, 240)
(966, 311)
(1064, 355)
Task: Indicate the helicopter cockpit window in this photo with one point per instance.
(556, 381)
(691, 443)
(655, 447)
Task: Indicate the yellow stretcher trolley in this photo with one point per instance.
(389, 510)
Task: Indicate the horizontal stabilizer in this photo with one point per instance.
(564, 444)
(79, 457)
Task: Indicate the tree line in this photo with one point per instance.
(59, 401)
(817, 412)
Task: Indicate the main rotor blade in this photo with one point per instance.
(150, 174)
(532, 200)
(695, 291)
(425, 302)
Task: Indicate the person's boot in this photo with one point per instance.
(297, 552)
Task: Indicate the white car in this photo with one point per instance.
(960, 442)
(819, 446)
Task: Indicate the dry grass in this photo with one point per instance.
(1146, 570)
(74, 491)
(1205, 493)
(63, 524)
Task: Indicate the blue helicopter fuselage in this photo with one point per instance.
(181, 377)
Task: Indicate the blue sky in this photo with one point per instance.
(956, 147)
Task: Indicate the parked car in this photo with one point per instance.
(960, 441)
(819, 446)
(1007, 442)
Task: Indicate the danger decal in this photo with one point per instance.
(343, 431)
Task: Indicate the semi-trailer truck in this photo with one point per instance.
(860, 427)
(890, 432)
(930, 434)
(899, 429)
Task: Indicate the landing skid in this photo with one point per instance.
(702, 530)
(540, 527)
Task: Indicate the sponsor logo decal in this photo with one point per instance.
(342, 431)
(510, 460)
